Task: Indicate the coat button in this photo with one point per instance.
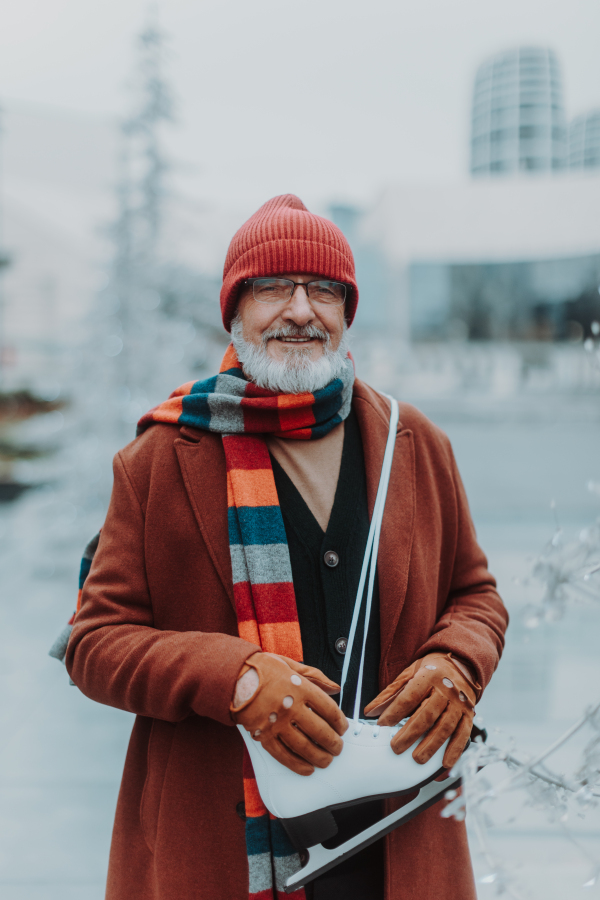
(331, 559)
(241, 810)
(341, 645)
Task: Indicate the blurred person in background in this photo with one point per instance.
(228, 567)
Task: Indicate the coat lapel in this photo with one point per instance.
(393, 559)
(202, 463)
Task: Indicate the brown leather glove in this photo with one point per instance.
(290, 713)
(440, 700)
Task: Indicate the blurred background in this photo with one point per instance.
(458, 148)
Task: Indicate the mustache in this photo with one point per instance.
(304, 331)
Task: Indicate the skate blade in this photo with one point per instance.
(321, 860)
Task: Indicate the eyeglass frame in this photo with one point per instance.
(295, 284)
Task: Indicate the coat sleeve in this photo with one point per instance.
(474, 619)
(117, 657)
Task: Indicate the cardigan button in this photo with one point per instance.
(341, 645)
(331, 559)
(241, 810)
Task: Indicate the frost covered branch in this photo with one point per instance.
(547, 791)
(569, 572)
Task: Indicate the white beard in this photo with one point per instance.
(297, 373)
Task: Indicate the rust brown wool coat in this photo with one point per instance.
(157, 636)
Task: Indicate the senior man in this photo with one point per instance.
(228, 567)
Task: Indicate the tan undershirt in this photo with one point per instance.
(314, 468)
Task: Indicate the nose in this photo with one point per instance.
(298, 310)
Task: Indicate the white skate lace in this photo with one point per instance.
(369, 566)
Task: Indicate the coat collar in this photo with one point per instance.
(202, 463)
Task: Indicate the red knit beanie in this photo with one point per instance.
(283, 236)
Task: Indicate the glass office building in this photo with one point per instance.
(518, 119)
(584, 141)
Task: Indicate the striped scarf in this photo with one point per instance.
(262, 575)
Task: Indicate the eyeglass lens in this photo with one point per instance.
(278, 290)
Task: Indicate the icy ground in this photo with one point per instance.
(61, 755)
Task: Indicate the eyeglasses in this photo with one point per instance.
(280, 290)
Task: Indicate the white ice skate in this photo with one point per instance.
(366, 769)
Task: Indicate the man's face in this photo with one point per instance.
(260, 318)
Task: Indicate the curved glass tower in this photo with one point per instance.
(518, 119)
(584, 141)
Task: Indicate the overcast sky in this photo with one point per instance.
(330, 99)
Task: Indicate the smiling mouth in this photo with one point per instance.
(296, 340)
